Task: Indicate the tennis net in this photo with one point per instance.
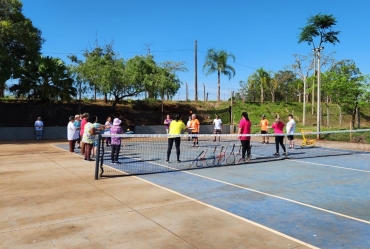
(147, 153)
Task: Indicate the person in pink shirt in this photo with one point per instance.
(278, 127)
(84, 117)
(245, 128)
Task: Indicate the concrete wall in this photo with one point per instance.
(28, 133)
(50, 133)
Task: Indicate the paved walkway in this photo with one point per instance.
(49, 199)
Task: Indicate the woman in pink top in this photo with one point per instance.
(84, 117)
(278, 127)
(245, 128)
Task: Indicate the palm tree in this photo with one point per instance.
(48, 78)
(259, 79)
(217, 61)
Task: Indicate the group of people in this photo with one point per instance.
(176, 127)
(82, 129)
(278, 127)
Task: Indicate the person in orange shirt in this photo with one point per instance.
(264, 129)
(195, 127)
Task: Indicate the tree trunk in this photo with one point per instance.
(2, 89)
(340, 116)
(313, 98)
(354, 115)
(218, 85)
(261, 93)
(358, 117)
(327, 115)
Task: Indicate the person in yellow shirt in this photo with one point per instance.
(264, 129)
(175, 129)
(195, 128)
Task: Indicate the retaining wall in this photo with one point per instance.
(55, 133)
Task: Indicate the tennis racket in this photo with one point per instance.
(211, 159)
(201, 161)
(196, 160)
(230, 159)
(221, 156)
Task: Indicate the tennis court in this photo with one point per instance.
(50, 199)
(316, 196)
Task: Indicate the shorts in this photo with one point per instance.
(290, 137)
(264, 132)
(217, 131)
(194, 133)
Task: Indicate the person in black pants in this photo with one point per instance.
(278, 127)
(176, 127)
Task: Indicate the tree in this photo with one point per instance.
(279, 81)
(46, 79)
(216, 61)
(20, 41)
(107, 73)
(260, 79)
(319, 26)
(346, 85)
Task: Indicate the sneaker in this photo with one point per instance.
(263, 142)
(167, 161)
(117, 162)
(179, 161)
(276, 154)
(267, 142)
(214, 140)
(285, 154)
(247, 160)
(197, 146)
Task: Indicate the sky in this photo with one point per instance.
(259, 33)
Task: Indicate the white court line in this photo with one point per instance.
(282, 198)
(231, 214)
(331, 166)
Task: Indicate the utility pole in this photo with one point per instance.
(317, 50)
(187, 97)
(231, 108)
(204, 92)
(195, 71)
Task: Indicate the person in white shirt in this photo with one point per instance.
(217, 122)
(72, 134)
(188, 125)
(39, 125)
(290, 129)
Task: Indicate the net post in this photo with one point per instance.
(287, 142)
(97, 157)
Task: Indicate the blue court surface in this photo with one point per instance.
(322, 201)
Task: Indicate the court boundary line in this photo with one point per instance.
(281, 198)
(328, 165)
(231, 214)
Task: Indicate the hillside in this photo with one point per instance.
(23, 114)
